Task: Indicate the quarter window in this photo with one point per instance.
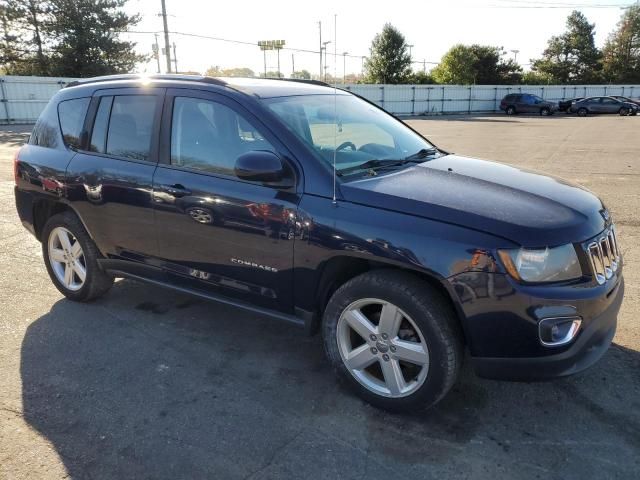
(210, 136)
(71, 114)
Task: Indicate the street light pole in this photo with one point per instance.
(515, 55)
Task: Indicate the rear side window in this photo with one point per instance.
(71, 114)
(124, 126)
(46, 132)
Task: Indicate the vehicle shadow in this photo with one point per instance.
(146, 383)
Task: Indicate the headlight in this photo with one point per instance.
(543, 265)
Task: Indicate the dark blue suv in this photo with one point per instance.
(311, 205)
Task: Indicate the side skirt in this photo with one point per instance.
(303, 319)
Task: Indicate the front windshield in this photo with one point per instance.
(355, 130)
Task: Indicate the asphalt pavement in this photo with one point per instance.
(148, 383)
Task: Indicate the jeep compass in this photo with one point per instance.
(313, 206)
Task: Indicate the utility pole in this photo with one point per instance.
(410, 47)
(175, 58)
(362, 65)
(320, 71)
(424, 65)
(167, 47)
(156, 51)
(324, 46)
(344, 67)
(293, 66)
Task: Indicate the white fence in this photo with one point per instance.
(23, 98)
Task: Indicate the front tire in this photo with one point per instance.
(623, 112)
(393, 339)
(71, 259)
(511, 110)
(545, 112)
(582, 112)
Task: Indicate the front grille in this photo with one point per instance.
(604, 255)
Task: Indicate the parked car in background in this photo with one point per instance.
(527, 103)
(603, 105)
(627, 99)
(565, 105)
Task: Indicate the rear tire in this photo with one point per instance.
(71, 259)
(582, 112)
(545, 112)
(393, 339)
(511, 110)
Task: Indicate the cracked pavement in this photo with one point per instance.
(148, 383)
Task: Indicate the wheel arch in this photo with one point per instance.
(45, 208)
(340, 269)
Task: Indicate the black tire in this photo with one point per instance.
(431, 313)
(511, 110)
(545, 112)
(582, 112)
(623, 112)
(97, 281)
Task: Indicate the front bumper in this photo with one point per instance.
(589, 346)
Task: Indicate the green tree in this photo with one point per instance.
(86, 39)
(238, 72)
(476, 64)
(389, 61)
(24, 24)
(571, 57)
(621, 54)
(421, 78)
(303, 74)
(535, 78)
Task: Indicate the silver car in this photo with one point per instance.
(603, 105)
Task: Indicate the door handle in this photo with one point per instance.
(176, 190)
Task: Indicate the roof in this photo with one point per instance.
(259, 87)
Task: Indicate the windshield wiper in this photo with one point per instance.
(372, 165)
(424, 153)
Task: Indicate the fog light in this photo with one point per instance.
(558, 331)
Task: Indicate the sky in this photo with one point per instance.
(431, 26)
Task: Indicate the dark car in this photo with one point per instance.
(527, 103)
(626, 99)
(565, 105)
(597, 105)
(313, 206)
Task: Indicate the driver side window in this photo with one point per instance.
(209, 136)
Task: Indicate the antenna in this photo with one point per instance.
(335, 104)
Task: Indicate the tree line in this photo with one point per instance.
(80, 38)
(569, 58)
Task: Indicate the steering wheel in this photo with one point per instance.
(344, 145)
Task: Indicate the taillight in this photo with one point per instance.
(15, 166)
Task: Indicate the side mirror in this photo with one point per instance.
(261, 166)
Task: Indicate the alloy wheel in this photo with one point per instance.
(382, 347)
(67, 258)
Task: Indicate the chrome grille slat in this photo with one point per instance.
(604, 255)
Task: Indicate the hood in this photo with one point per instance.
(526, 207)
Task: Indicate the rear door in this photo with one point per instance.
(215, 231)
(110, 182)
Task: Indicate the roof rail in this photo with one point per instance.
(135, 76)
(299, 80)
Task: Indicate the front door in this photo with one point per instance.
(215, 231)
